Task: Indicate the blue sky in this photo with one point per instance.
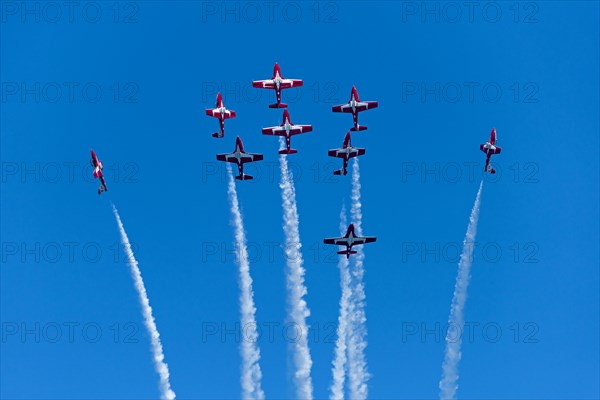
(140, 78)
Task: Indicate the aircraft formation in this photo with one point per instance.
(287, 129)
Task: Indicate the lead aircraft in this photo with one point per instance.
(277, 83)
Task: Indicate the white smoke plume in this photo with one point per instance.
(339, 362)
(448, 384)
(298, 310)
(357, 342)
(159, 359)
(251, 374)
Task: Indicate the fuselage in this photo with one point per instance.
(287, 126)
(237, 154)
(353, 104)
(489, 148)
(277, 80)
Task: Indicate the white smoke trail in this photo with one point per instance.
(295, 282)
(448, 385)
(357, 342)
(339, 363)
(251, 373)
(157, 350)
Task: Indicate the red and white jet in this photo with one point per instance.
(346, 153)
(277, 83)
(490, 148)
(287, 129)
(355, 106)
(349, 240)
(240, 157)
(98, 167)
(222, 114)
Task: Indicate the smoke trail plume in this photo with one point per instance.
(339, 363)
(157, 350)
(251, 373)
(298, 310)
(448, 385)
(357, 342)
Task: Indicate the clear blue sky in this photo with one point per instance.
(533, 75)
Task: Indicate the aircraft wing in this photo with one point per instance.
(214, 112)
(340, 241)
(366, 239)
(342, 108)
(94, 159)
(357, 152)
(226, 157)
(298, 129)
(291, 83)
(366, 105)
(496, 150)
(251, 157)
(280, 130)
(264, 84)
(341, 152)
(359, 240)
(274, 131)
(244, 157)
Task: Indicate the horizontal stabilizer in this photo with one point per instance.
(244, 177)
(347, 252)
(286, 151)
(339, 172)
(278, 105)
(359, 128)
(218, 135)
